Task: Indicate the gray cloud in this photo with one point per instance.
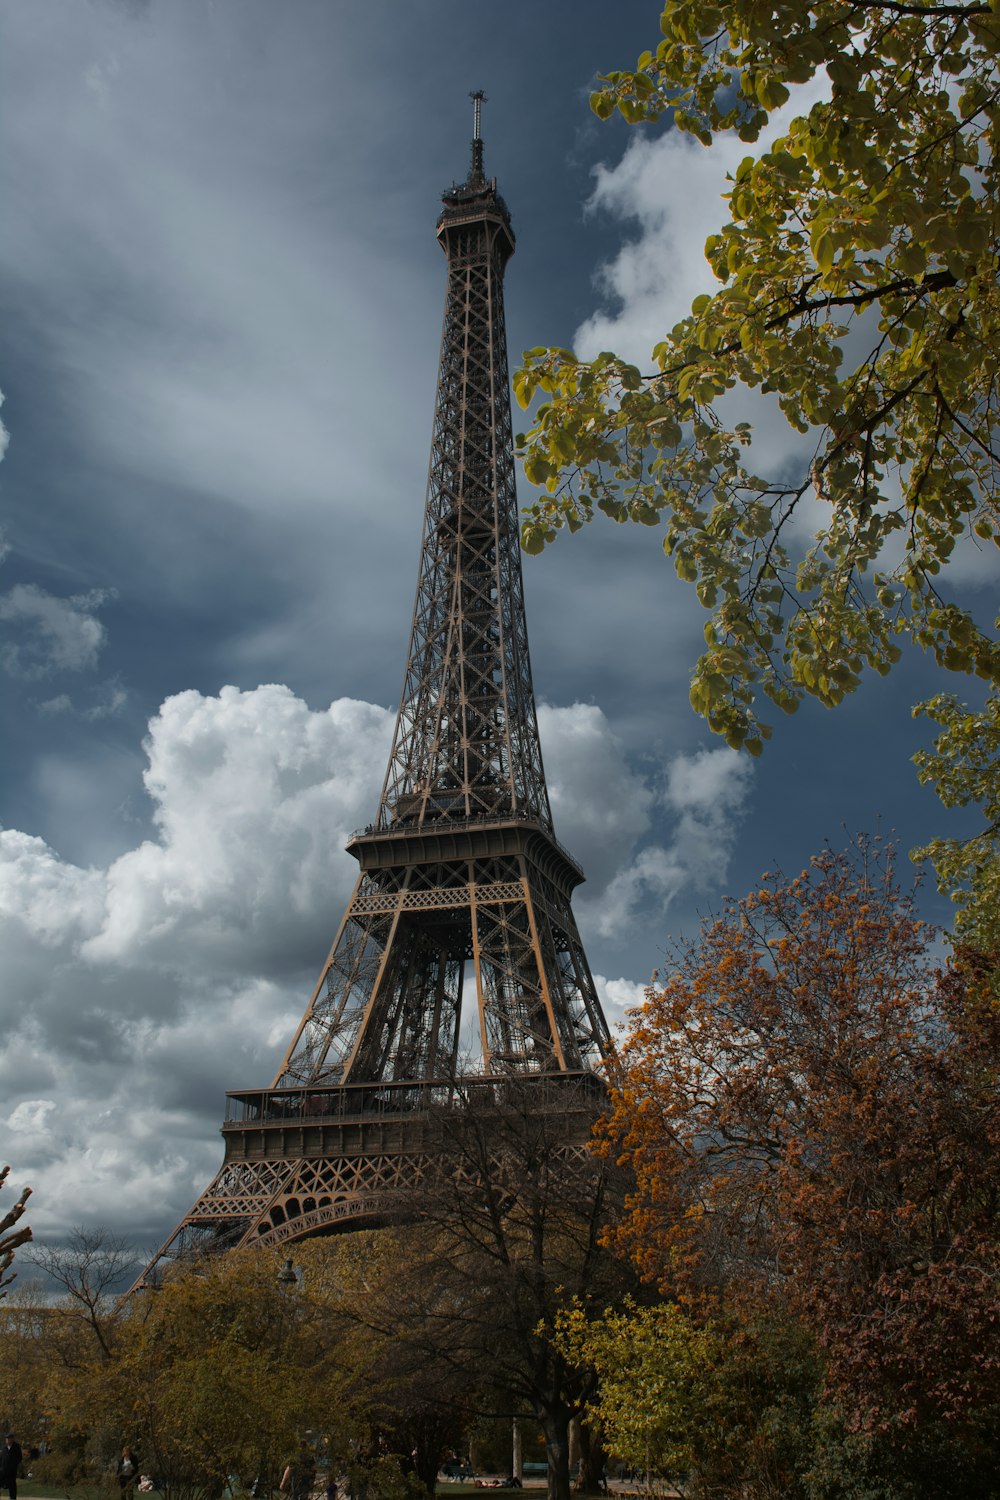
(50, 634)
(706, 796)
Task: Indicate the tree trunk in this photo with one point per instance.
(555, 1425)
(517, 1452)
(574, 1444)
(593, 1458)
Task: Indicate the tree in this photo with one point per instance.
(728, 1405)
(654, 1368)
(392, 1333)
(506, 1232)
(858, 275)
(10, 1237)
(520, 1216)
(90, 1267)
(811, 1111)
(217, 1376)
(25, 1363)
(965, 769)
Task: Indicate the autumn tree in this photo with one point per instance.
(721, 1406)
(26, 1375)
(502, 1234)
(520, 1217)
(392, 1324)
(856, 282)
(217, 1375)
(810, 1108)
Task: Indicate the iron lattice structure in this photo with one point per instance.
(462, 881)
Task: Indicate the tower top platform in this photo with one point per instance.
(477, 196)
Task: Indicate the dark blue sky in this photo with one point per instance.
(220, 305)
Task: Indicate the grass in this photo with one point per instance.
(31, 1489)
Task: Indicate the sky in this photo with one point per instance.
(220, 310)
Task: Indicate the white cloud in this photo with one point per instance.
(600, 806)
(50, 901)
(706, 795)
(671, 187)
(612, 818)
(31, 1115)
(52, 634)
(708, 792)
(138, 991)
(255, 796)
(618, 997)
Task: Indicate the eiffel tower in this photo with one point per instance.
(462, 881)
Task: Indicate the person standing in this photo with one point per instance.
(300, 1475)
(10, 1462)
(128, 1473)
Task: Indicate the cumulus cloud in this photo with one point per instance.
(50, 634)
(643, 836)
(600, 806)
(254, 798)
(705, 796)
(670, 188)
(136, 992)
(619, 997)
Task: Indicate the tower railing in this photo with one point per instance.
(555, 1092)
(484, 821)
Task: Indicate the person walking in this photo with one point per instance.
(10, 1462)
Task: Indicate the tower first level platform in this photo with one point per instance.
(307, 1161)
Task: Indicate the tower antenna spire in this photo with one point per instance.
(478, 98)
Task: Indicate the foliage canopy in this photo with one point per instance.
(858, 275)
(728, 1406)
(964, 768)
(811, 1113)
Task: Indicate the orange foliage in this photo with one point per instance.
(809, 1105)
